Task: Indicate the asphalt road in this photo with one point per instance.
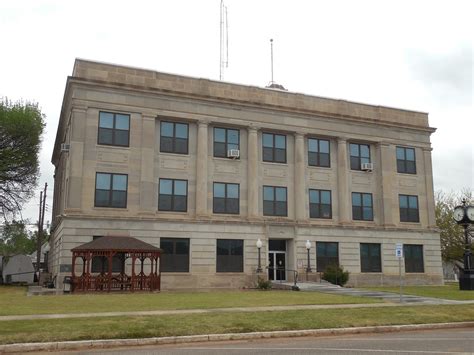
(448, 341)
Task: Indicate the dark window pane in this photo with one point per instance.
(355, 163)
(401, 166)
(356, 213)
(233, 205)
(268, 208)
(410, 167)
(176, 255)
(314, 210)
(313, 159)
(121, 138)
(102, 198)
(267, 154)
(180, 203)
(325, 211)
(280, 155)
(167, 246)
(324, 160)
(219, 205)
(229, 255)
(181, 146)
(166, 144)
(119, 198)
(280, 209)
(367, 214)
(164, 202)
(105, 136)
(220, 150)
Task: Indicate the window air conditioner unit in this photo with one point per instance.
(367, 166)
(65, 147)
(233, 153)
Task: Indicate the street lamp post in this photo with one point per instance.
(259, 247)
(464, 216)
(308, 248)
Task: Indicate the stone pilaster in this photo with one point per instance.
(252, 172)
(76, 158)
(385, 175)
(148, 195)
(344, 199)
(430, 203)
(201, 169)
(300, 181)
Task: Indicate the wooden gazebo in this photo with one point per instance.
(102, 273)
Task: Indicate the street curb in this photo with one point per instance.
(109, 343)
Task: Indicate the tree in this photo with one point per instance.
(452, 235)
(16, 240)
(21, 127)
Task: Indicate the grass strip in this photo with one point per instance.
(15, 302)
(449, 291)
(152, 326)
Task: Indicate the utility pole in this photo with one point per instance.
(39, 239)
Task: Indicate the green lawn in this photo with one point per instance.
(191, 324)
(13, 301)
(449, 291)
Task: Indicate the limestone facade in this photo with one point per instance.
(150, 98)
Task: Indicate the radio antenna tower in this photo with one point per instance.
(224, 40)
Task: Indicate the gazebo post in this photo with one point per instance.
(109, 275)
(134, 258)
(88, 271)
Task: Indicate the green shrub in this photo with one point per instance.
(263, 284)
(336, 275)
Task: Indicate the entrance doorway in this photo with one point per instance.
(277, 260)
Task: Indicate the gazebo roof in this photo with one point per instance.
(114, 243)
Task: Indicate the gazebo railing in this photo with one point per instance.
(119, 282)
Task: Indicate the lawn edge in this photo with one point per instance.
(112, 343)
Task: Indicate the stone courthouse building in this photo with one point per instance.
(203, 169)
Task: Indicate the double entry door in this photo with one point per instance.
(277, 260)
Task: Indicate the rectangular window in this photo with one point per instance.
(225, 139)
(174, 137)
(413, 255)
(111, 190)
(230, 255)
(406, 163)
(175, 256)
(173, 195)
(370, 257)
(320, 204)
(360, 154)
(274, 201)
(408, 208)
(318, 152)
(226, 198)
(114, 129)
(274, 147)
(362, 209)
(100, 264)
(327, 253)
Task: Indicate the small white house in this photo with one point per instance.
(18, 269)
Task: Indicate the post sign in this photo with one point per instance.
(399, 250)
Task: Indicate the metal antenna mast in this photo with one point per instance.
(271, 58)
(224, 40)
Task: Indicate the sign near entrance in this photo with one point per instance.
(399, 250)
